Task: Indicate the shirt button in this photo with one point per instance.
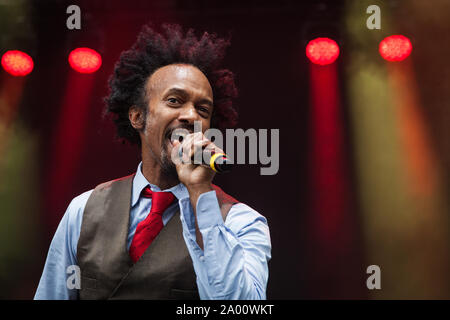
(202, 258)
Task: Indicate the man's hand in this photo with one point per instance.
(193, 176)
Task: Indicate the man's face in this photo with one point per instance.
(178, 95)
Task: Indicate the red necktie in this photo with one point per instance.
(148, 229)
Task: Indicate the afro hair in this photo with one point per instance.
(154, 50)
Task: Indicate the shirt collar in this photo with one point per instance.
(140, 182)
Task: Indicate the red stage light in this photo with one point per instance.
(85, 60)
(17, 63)
(322, 51)
(395, 48)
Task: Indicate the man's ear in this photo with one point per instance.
(136, 116)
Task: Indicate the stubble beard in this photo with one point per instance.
(168, 168)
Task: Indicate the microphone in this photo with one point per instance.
(216, 161)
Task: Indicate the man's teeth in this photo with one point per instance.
(171, 140)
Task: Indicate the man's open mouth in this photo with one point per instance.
(170, 137)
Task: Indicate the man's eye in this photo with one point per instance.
(204, 112)
(173, 100)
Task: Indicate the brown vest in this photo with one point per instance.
(164, 271)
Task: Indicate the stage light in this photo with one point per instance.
(322, 51)
(17, 63)
(85, 60)
(395, 48)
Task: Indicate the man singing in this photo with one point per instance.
(165, 232)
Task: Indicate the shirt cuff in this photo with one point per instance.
(208, 211)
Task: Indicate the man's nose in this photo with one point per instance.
(188, 113)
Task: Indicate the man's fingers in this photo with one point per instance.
(192, 148)
(195, 148)
(193, 141)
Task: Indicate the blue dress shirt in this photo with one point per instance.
(232, 265)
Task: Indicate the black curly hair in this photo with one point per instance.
(153, 50)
